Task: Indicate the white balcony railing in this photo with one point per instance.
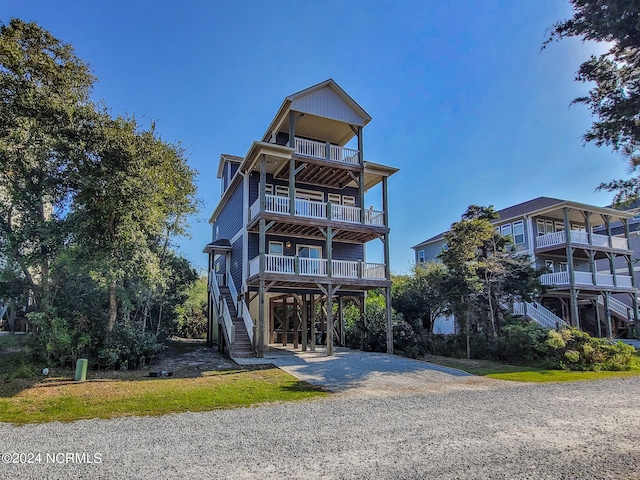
(319, 210)
(317, 267)
(336, 153)
(559, 238)
(586, 278)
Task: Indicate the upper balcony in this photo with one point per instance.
(586, 279)
(582, 238)
(318, 210)
(326, 151)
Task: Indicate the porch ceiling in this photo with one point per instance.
(308, 228)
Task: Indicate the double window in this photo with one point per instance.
(514, 230)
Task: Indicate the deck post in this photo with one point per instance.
(574, 306)
(341, 317)
(260, 350)
(312, 319)
(634, 306)
(361, 177)
(598, 317)
(305, 322)
(607, 222)
(285, 322)
(607, 315)
(295, 322)
(329, 246)
(389, 321)
(362, 320)
(263, 183)
(292, 186)
(329, 319)
(612, 268)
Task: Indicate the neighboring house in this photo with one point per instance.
(290, 231)
(588, 253)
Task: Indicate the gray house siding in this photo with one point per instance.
(431, 251)
(229, 221)
(236, 263)
(254, 181)
(341, 251)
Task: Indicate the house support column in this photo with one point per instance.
(329, 319)
(575, 316)
(612, 268)
(260, 349)
(341, 317)
(285, 321)
(361, 177)
(296, 324)
(305, 321)
(592, 266)
(389, 321)
(362, 323)
(634, 306)
(312, 319)
(607, 314)
(598, 317)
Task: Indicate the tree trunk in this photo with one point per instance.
(113, 305)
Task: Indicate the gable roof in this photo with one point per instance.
(325, 99)
(225, 157)
(527, 207)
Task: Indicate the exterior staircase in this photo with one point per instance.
(618, 308)
(241, 347)
(539, 314)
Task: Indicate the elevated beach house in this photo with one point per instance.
(588, 257)
(289, 234)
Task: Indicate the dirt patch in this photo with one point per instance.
(187, 358)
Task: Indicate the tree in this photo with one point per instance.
(615, 99)
(132, 196)
(484, 271)
(420, 296)
(44, 108)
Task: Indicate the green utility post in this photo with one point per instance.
(81, 369)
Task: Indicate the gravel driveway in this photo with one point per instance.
(464, 428)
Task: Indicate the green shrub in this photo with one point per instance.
(573, 349)
(128, 347)
(57, 340)
(521, 342)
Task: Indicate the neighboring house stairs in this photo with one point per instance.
(620, 309)
(539, 314)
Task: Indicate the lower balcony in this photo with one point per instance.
(560, 238)
(317, 267)
(560, 279)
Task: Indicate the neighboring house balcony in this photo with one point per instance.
(586, 280)
(326, 151)
(317, 269)
(559, 239)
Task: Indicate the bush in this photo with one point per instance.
(573, 349)
(521, 342)
(58, 340)
(128, 348)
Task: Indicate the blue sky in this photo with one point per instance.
(463, 101)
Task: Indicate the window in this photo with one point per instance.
(217, 232)
(549, 265)
(563, 267)
(268, 189)
(349, 201)
(518, 232)
(309, 195)
(308, 251)
(505, 230)
(420, 256)
(282, 191)
(559, 226)
(549, 226)
(540, 226)
(276, 248)
(578, 228)
(334, 198)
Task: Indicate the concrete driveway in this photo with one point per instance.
(353, 370)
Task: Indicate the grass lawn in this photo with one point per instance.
(518, 373)
(114, 394)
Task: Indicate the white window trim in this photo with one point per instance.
(349, 200)
(519, 223)
(276, 243)
(310, 247)
(420, 256)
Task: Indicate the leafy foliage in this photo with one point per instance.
(614, 100)
(574, 349)
(89, 207)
